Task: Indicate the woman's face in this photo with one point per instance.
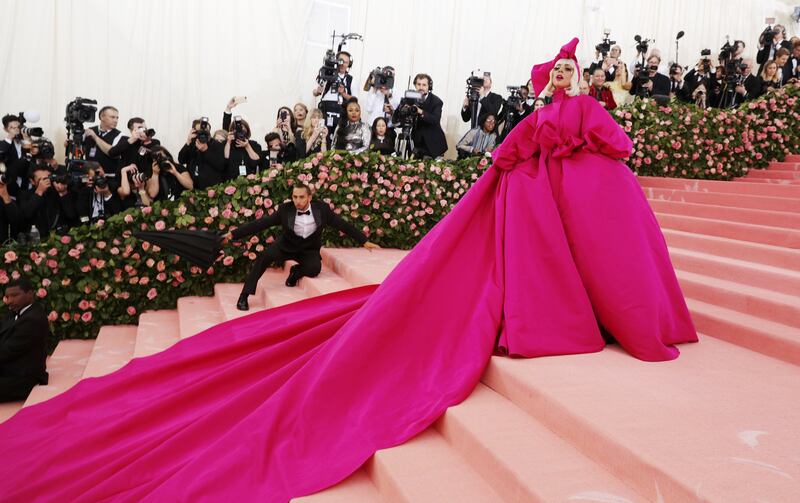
(314, 121)
(353, 112)
(771, 69)
(537, 105)
(562, 75)
(300, 113)
(615, 51)
(489, 124)
(380, 128)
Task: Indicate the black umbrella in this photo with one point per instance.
(198, 247)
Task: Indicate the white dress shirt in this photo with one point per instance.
(304, 225)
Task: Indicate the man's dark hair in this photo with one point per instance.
(22, 283)
(106, 109)
(32, 173)
(8, 119)
(302, 185)
(271, 136)
(135, 120)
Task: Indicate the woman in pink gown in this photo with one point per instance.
(555, 240)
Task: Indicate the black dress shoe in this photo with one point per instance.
(294, 276)
(242, 304)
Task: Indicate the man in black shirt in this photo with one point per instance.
(109, 135)
(50, 205)
(658, 83)
(750, 89)
(11, 145)
(9, 214)
(133, 149)
(23, 342)
(429, 139)
(203, 157)
(488, 104)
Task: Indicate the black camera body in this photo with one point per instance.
(474, 86)
(383, 77)
(642, 44)
(604, 47)
(79, 111)
(514, 97)
(203, 135)
(328, 72)
(406, 114)
(239, 131)
(46, 148)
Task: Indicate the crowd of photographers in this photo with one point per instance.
(107, 170)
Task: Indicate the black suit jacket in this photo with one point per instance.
(762, 56)
(752, 85)
(290, 242)
(23, 344)
(428, 135)
(490, 104)
(661, 85)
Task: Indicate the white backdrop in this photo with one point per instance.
(171, 61)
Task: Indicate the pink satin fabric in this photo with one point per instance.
(555, 238)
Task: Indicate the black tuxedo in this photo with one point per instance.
(428, 136)
(661, 86)
(490, 104)
(291, 246)
(23, 353)
(48, 212)
(762, 56)
(752, 85)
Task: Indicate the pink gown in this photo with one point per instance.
(554, 238)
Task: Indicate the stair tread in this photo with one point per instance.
(227, 294)
(357, 488)
(514, 451)
(65, 367)
(197, 314)
(686, 429)
(112, 349)
(157, 331)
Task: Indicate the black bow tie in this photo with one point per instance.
(307, 212)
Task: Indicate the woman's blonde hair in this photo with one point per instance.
(307, 127)
(775, 77)
(573, 89)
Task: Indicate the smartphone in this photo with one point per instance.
(239, 100)
(769, 20)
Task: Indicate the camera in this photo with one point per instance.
(150, 133)
(767, 36)
(78, 111)
(46, 148)
(203, 135)
(33, 132)
(406, 114)
(239, 131)
(604, 47)
(383, 77)
(474, 86)
(514, 98)
(284, 115)
(328, 72)
(642, 44)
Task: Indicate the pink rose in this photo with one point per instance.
(10, 256)
(52, 264)
(160, 225)
(86, 317)
(152, 293)
(41, 293)
(147, 210)
(45, 282)
(65, 240)
(83, 305)
(230, 190)
(227, 260)
(128, 219)
(65, 316)
(53, 316)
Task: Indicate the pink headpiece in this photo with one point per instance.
(540, 74)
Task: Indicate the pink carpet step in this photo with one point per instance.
(746, 299)
(716, 425)
(792, 158)
(357, 488)
(775, 174)
(520, 457)
(327, 282)
(722, 199)
(157, 331)
(360, 266)
(770, 218)
(776, 279)
(196, 314)
(727, 187)
(112, 349)
(783, 166)
(772, 182)
(274, 293)
(65, 366)
(775, 256)
(227, 294)
(775, 236)
(754, 333)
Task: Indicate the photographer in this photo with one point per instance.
(648, 82)
(488, 102)
(10, 215)
(134, 148)
(770, 40)
(11, 145)
(699, 80)
(51, 204)
(286, 128)
(334, 93)
(380, 101)
(478, 140)
(98, 199)
(427, 133)
(312, 139)
(242, 155)
(34, 153)
(138, 197)
(677, 87)
(352, 135)
(601, 91)
(203, 156)
(169, 178)
(750, 88)
(275, 154)
(98, 140)
(791, 69)
(383, 137)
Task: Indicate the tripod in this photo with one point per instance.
(404, 144)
